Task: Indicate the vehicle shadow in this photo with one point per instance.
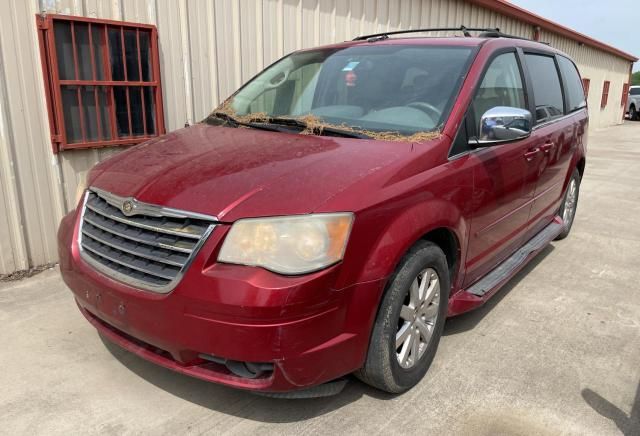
(469, 320)
(239, 403)
(629, 425)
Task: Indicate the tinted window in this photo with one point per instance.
(573, 85)
(501, 86)
(547, 92)
(634, 91)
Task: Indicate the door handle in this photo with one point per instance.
(547, 147)
(531, 154)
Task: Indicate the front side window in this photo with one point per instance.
(501, 86)
(387, 90)
(547, 92)
(573, 85)
(634, 91)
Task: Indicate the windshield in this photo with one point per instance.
(385, 90)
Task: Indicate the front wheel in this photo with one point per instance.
(410, 321)
(633, 114)
(568, 209)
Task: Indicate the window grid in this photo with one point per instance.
(605, 94)
(585, 85)
(148, 90)
(625, 95)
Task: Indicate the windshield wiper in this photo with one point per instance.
(343, 132)
(321, 130)
(270, 123)
(237, 123)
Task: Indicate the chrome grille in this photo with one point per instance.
(140, 244)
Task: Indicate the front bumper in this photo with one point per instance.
(310, 332)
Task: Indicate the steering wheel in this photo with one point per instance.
(427, 108)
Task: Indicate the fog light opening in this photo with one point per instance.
(241, 369)
(248, 369)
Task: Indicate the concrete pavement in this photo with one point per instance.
(557, 351)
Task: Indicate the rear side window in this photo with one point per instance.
(547, 92)
(634, 91)
(573, 85)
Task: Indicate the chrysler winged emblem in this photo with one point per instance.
(127, 207)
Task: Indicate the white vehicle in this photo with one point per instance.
(633, 103)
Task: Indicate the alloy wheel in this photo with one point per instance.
(418, 317)
(570, 201)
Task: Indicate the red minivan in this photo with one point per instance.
(333, 212)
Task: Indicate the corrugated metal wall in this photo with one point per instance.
(29, 177)
(208, 48)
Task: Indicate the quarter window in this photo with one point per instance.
(573, 86)
(547, 92)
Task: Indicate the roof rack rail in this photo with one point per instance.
(497, 34)
(465, 30)
(487, 32)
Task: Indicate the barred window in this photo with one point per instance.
(605, 94)
(625, 95)
(102, 81)
(585, 86)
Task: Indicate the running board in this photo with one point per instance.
(507, 268)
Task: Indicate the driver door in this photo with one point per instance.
(504, 176)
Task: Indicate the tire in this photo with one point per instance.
(383, 368)
(633, 114)
(571, 203)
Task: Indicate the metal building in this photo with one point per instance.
(207, 49)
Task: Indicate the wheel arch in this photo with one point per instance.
(446, 239)
(580, 165)
(437, 220)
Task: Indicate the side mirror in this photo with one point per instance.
(503, 124)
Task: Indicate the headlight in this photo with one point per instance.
(288, 245)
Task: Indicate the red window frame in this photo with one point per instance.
(625, 95)
(605, 94)
(54, 84)
(585, 86)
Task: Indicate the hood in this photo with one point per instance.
(233, 173)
